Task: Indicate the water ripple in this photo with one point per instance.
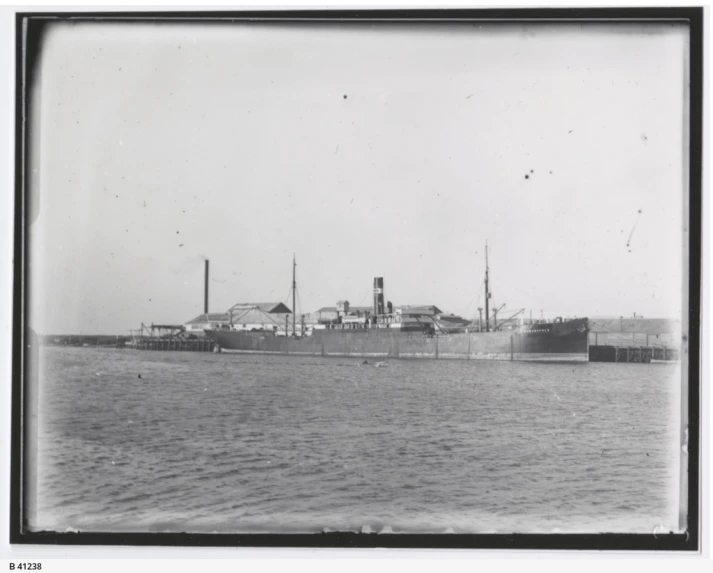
(222, 443)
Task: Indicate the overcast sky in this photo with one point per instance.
(367, 151)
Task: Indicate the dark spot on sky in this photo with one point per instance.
(119, 69)
(571, 130)
(532, 170)
(176, 232)
(527, 176)
(345, 96)
(180, 245)
(550, 172)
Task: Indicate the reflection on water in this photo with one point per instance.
(237, 443)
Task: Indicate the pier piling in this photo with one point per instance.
(632, 354)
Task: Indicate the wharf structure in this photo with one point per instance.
(641, 340)
(168, 337)
(242, 317)
(273, 317)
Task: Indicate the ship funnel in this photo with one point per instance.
(378, 295)
(205, 299)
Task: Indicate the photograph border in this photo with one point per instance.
(28, 29)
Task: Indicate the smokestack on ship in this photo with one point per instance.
(378, 295)
(205, 301)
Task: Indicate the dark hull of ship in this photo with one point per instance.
(551, 342)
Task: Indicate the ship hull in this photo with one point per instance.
(558, 342)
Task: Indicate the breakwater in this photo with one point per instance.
(94, 340)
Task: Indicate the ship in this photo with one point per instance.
(383, 332)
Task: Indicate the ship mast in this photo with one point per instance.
(294, 292)
(487, 292)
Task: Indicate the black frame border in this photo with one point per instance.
(688, 541)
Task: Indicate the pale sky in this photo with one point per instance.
(367, 150)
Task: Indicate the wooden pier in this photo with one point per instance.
(637, 354)
(175, 344)
(169, 338)
(638, 340)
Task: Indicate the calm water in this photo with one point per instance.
(236, 443)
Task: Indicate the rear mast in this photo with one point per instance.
(487, 292)
(294, 293)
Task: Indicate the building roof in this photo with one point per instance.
(420, 308)
(271, 307)
(255, 316)
(351, 309)
(211, 317)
